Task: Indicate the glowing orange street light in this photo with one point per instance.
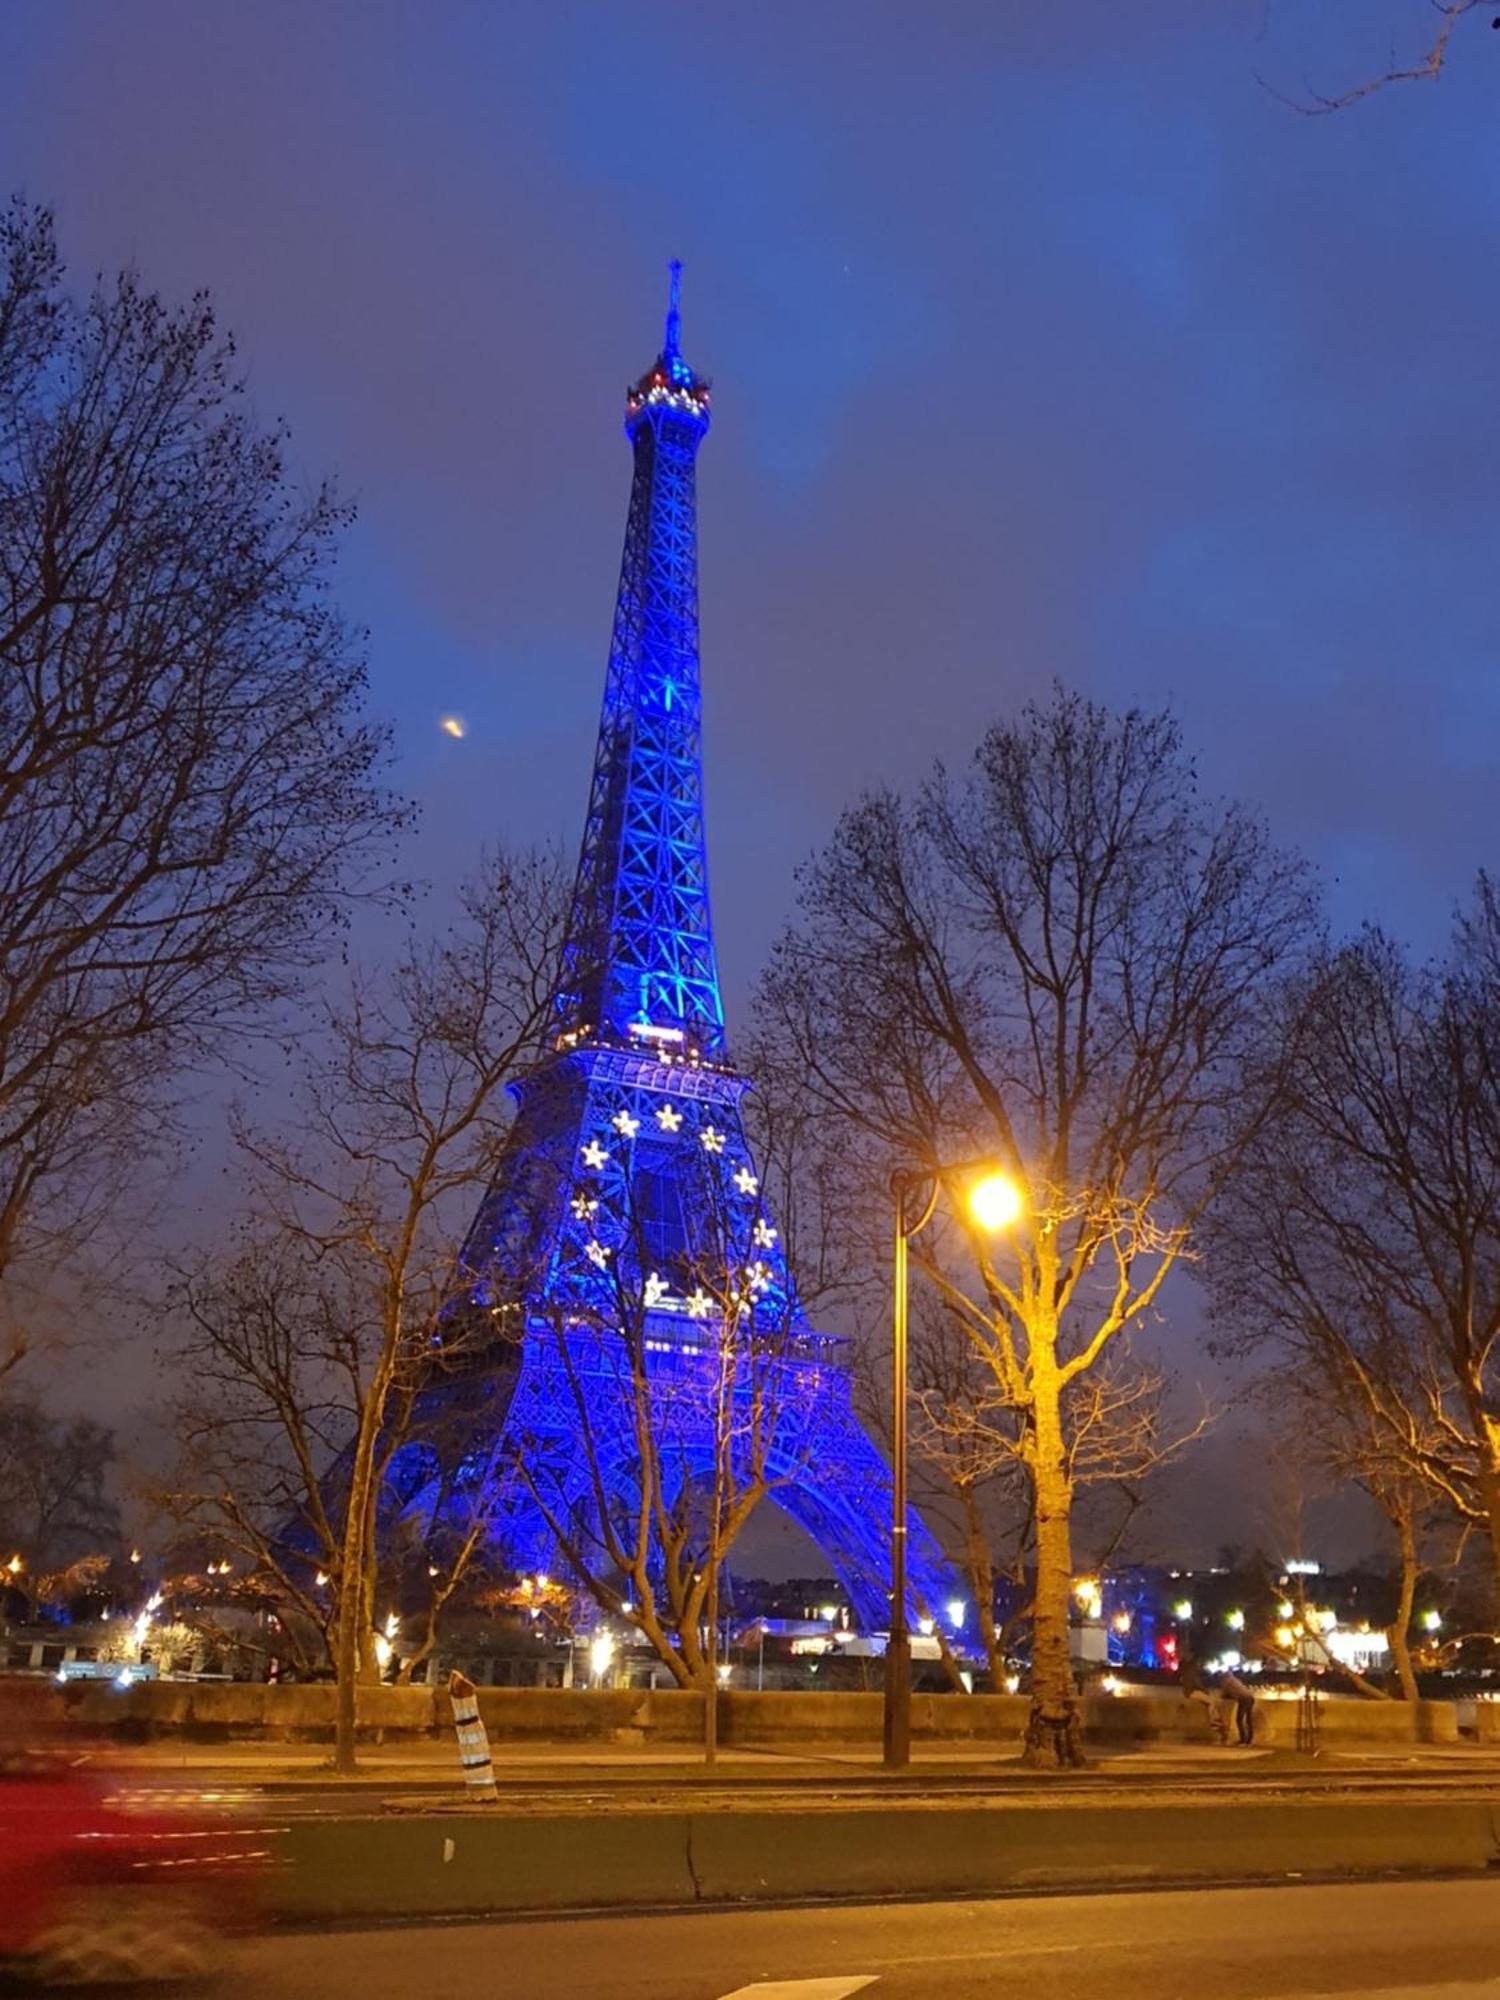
(995, 1202)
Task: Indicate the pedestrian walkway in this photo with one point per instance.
(398, 1766)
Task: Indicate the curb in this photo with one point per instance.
(456, 1864)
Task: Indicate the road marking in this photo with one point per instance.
(1041, 1949)
(803, 1989)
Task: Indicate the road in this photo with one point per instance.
(633, 1785)
(1395, 1940)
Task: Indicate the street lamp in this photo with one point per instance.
(994, 1201)
(601, 1655)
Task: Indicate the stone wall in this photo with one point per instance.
(208, 1712)
(1350, 1720)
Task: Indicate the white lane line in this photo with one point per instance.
(803, 1989)
(1019, 1950)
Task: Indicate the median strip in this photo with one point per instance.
(484, 1863)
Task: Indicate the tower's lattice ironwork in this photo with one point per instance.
(628, 1143)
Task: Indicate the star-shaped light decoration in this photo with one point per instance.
(764, 1235)
(656, 1289)
(699, 1304)
(711, 1140)
(746, 1182)
(597, 1253)
(594, 1155)
(625, 1125)
(757, 1276)
(668, 1119)
(584, 1205)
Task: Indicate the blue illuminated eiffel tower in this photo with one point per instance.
(628, 1130)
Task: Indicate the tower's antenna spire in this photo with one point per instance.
(673, 346)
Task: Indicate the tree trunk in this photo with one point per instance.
(354, 1636)
(1054, 1727)
(690, 1637)
(1490, 1487)
(650, 1629)
(711, 1677)
(1398, 1631)
(369, 1658)
(994, 1651)
(346, 1661)
(411, 1661)
(981, 1578)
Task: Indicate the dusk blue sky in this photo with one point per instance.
(1046, 343)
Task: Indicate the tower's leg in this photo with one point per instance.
(826, 1475)
(838, 1490)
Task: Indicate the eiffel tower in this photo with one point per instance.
(633, 1111)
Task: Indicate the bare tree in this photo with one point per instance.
(554, 1603)
(254, 1346)
(56, 1506)
(969, 1449)
(276, 1354)
(1427, 64)
(680, 1393)
(188, 791)
(1361, 1244)
(1059, 963)
(1351, 1441)
(1331, 1425)
(340, 1337)
(968, 1481)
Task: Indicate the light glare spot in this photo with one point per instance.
(995, 1202)
(454, 725)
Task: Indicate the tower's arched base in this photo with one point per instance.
(571, 1434)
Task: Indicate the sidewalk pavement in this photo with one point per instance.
(422, 1764)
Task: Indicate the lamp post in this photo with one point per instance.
(994, 1201)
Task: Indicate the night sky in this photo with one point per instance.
(1046, 343)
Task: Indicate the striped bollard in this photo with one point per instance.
(473, 1743)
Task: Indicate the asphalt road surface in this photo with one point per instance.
(1394, 1940)
(197, 1793)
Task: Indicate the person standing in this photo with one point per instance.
(1194, 1688)
(1233, 1690)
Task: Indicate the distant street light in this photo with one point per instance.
(601, 1654)
(994, 1201)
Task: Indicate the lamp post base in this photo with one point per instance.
(898, 1702)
